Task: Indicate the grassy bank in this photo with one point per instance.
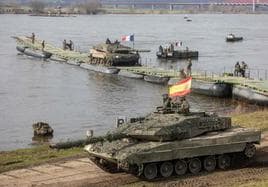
(257, 119)
(21, 158)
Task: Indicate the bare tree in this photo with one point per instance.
(37, 6)
(91, 6)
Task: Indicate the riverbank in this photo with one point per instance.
(21, 158)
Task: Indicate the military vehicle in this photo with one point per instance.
(170, 53)
(233, 38)
(172, 141)
(114, 54)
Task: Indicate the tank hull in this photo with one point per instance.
(113, 58)
(233, 140)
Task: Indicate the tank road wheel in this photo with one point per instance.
(166, 169)
(224, 161)
(195, 165)
(150, 171)
(209, 163)
(180, 167)
(250, 150)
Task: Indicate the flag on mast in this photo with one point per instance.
(128, 38)
(181, 88)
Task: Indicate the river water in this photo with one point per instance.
(73, 100)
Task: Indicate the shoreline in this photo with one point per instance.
(23, 158)
(127, 11)
(77, 170)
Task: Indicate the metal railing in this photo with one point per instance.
(253, 73)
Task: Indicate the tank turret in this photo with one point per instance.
(114, 54)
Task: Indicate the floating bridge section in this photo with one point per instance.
(252, 90)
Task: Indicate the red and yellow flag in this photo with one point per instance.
(181, 88)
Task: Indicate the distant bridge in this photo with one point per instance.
(171, 6)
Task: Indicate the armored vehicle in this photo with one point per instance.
(172, 141)
(169, 52)
(113, 54)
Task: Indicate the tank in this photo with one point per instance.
(171, 141)
(114, 54)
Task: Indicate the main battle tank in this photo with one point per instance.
(168, 141)
(114, 54)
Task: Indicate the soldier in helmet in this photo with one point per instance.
(161, 49)
(185, 106)
(243, 68)
(237, 69)
(108, 41)
(167, 104)
(64, 45)
(189, 67)
(182, 74)
(43, 45)
(33, 38)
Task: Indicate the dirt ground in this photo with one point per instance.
(82, 172)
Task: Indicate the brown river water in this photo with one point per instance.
(73, 100)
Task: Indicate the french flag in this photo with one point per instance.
(128, 38)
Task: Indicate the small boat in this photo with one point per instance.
(156, 79)
(188, 20)
(233, 38)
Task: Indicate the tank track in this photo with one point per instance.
(161, 170)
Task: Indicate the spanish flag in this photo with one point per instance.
(181, 88)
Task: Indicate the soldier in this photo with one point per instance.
(43, 45)
(237, 69)
(243, 68)
(182, 74)
(189, 67)
(171, 48)
(71, 45)
(116, 42)
(185, 106)
(166, 102)
(64, 44)
(161, 49)
(33, 38)
(108, 41)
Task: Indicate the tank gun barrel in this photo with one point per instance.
(82, 142)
